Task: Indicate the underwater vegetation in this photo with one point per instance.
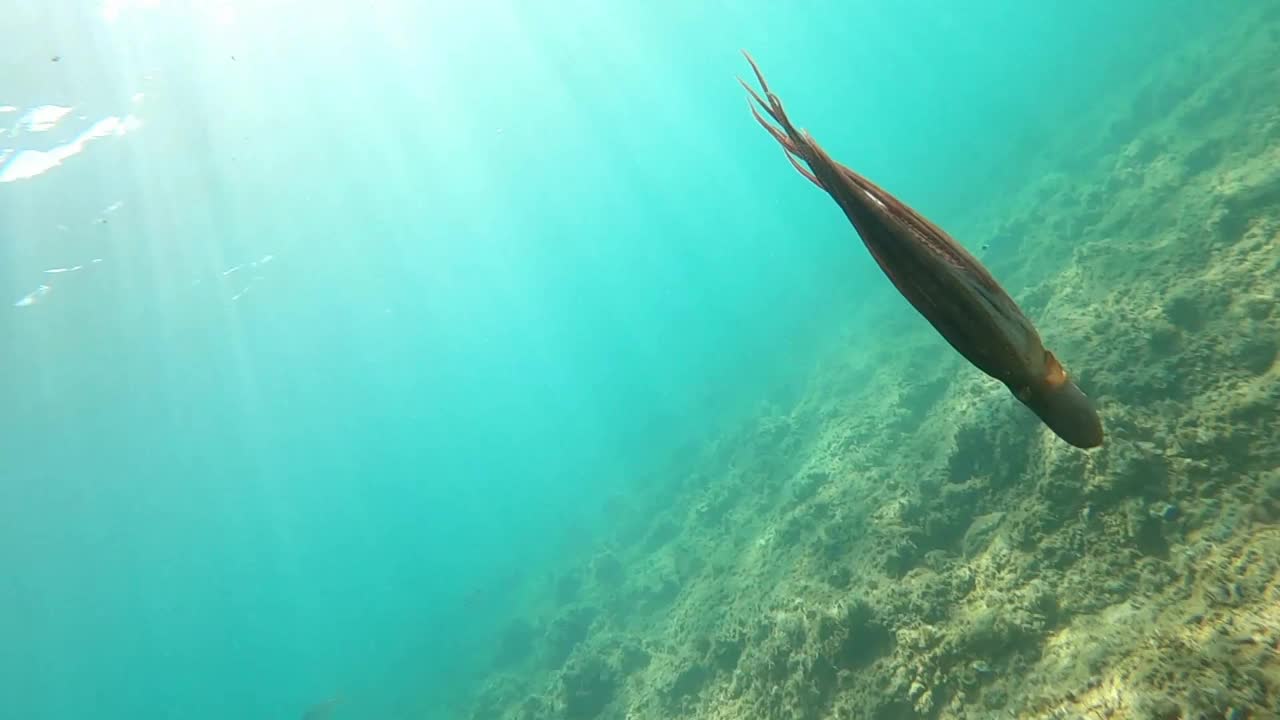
(907, 548)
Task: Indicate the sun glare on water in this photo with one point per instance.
(215, 12)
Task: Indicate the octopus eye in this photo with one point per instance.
(1054, 374)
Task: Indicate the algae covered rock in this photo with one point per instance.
(564, 633)
(898, 545)
(516, 643)
(586, 688)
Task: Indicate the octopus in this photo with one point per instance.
(942, 281)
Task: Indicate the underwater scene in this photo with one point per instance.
(603, 360)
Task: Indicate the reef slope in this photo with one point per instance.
(900, 545)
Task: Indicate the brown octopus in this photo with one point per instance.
(945, 284)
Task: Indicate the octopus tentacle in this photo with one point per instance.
(793, 142)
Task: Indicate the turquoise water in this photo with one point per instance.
(332, 328)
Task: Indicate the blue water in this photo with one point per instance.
(329, 329)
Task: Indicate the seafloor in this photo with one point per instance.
(905, 541)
